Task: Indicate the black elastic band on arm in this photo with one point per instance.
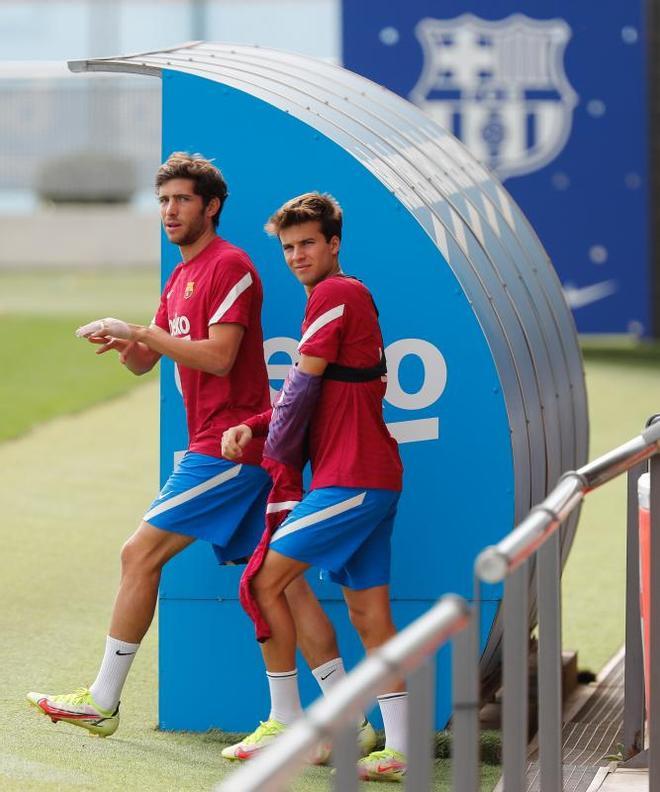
(334, 371)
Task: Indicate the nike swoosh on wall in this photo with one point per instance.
(585, 295)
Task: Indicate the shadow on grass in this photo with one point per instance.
(490, 743)
(621, 351)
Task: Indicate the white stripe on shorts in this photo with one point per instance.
(271, 508)
(319, 516)
(232, 295)
(193, 492)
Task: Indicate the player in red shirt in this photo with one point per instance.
(331, 403)
(209, 324)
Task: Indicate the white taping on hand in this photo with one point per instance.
(105, 327)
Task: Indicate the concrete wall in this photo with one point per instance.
(80, 236)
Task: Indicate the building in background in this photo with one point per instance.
(51, 117)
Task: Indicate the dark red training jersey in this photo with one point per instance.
(350, 445)
(220, 284)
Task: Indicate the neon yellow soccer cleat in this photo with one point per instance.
(263, 735)
(366, 738)
(78, 709)
(385, 765)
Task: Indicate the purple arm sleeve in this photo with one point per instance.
(292, 413)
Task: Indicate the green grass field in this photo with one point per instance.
(46, 371)
(73, 486)
(71, 491)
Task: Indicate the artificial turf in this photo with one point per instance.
(71, 492)
(46, 371)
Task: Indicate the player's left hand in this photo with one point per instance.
(108, 328)
(106, 343)
(234, 441)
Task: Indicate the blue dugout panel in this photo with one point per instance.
(485, 393)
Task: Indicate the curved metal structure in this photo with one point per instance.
(487, 393)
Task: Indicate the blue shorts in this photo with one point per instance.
(214, 500)
(345, 530)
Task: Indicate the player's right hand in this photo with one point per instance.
(234, 441)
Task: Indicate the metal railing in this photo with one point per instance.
(409, 654)
(507, 561)
(412, 653)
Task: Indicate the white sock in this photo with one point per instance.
(284, 696)
(394, 709)
(116, 664)
(328, 674)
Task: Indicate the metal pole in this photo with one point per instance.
(103, 37)
(633, 697)
(654, 619)
(465, 721)
(549, 665)
(515, 679)
(344, 758)
(198, 11)
(421, 723)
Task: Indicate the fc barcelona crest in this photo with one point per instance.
(499, 86)
(190, 288)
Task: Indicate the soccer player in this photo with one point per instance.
(209, 323)
(344, 523)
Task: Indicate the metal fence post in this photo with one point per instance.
(515, 679)
(549, 664)
(633, 698)
(344, 759)
(654, 658)
(465, 721)
(421, 726)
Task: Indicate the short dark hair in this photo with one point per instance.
(303, 208)
(208, 180)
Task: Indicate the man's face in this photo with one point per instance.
(309, 255)
(184, 216)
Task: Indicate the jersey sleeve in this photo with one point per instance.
(259, 423)
(232, 292)
(323, 325)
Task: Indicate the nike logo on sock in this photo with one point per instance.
(121, 654)
(323, 678)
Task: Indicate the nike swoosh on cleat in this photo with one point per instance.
(388, 768)
(63, 715)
